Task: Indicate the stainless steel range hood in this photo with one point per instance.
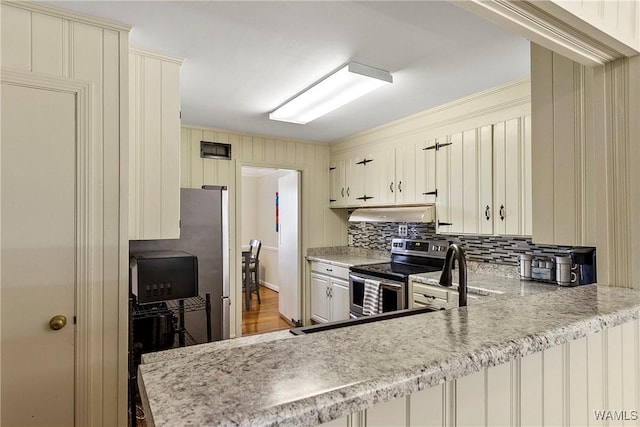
(423, 213)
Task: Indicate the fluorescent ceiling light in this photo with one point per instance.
(337, 89)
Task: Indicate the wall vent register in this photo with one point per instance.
(215, 150)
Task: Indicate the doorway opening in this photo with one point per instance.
(270, 214)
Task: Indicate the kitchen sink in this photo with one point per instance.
(320, 327)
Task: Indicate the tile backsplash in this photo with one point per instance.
(495, 249)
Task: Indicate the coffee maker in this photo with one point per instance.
(584, 265)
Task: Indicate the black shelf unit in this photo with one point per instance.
(177, 308)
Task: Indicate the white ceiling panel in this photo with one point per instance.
(243, 59)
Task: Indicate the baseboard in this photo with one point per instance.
(270, 286)
(287, 320)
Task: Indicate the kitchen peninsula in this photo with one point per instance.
(461, 366)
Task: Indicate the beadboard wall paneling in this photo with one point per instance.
(44, 41)
(618, 19)
(579, 383)
(321, 226)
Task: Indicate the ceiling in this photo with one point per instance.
(243, 59)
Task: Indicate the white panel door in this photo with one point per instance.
(289, 246)
(38, 258)
(406, 169)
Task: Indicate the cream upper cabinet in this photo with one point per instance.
(483, 180)
(337, 187)
(364, 177)
(154, 146)
(404, 185)
(512, 176)
(386, 176)
(425, 171)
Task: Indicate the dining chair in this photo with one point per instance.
(254, 268)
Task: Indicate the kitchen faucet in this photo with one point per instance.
(445, 277)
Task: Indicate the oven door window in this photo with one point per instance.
(391, 299)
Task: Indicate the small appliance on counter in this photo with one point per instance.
(572, 268)
(543, 269)
(163, 275)
(584, 265)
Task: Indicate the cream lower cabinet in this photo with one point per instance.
(329, 292)
(154, 146)
(589, 381)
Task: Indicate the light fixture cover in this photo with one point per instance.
(337, 89)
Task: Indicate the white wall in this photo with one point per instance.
(249, 215)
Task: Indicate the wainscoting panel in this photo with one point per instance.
(592, 381)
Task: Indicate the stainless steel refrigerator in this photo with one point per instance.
(204, 232)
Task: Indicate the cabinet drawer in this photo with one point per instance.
(330, 270)
(430, 291)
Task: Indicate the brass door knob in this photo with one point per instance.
(57, 322)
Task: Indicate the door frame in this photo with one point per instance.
(237, 292)
(88, 292)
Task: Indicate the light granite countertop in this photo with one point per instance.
(491, 285)
(346, 256)
(315, 378)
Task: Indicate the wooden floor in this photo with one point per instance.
(263, 317)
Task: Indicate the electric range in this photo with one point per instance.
(407, 257)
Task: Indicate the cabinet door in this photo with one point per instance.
(319, 298)
(154, 149)
(339, 299)
(375, 178)
(509, 177)
(337, 191)
(381, 176)
(425, 172)
(485, 177)
(406, 167)
(456, 182)
(443, 185)
(354, 182)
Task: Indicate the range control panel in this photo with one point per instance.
(425, 248)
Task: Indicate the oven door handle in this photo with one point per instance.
(390, 285)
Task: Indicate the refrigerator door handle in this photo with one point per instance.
(226, 310)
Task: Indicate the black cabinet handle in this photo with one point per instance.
(364, 162)
(365, 198)
(348, 195)
(444, 223)
(391, 187)
(431, 193)
(437, 146)
(502, 213)
(332, 168)
(400, 186)
(342, 191)
(332, 200)
(487, 212)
